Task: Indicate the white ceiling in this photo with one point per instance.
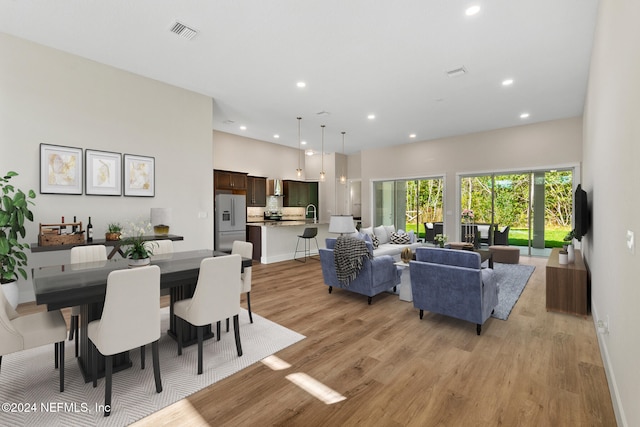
(357, 57)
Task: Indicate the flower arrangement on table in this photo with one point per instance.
(137, 247)
(467, 215)
(440, 239)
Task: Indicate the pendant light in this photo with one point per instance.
(322, 156)
(343, 177)
(299, 170)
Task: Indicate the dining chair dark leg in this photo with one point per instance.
(200, 339)
(227, 324)
(156, 365)
(236, 330)
(77, 340)
(108, 371)
(142, 353)
(61, 355)
(249, 306)
(94, 362)
(56, 353)
(179, 330)
(218, 330)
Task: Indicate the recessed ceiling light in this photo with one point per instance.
(301, 84)
(371, 116)
(524, 115)
(507, 82)
(303, 142)
(309, 152)
(413, 135)
(472, 10)
(243, 127)
(276, 136)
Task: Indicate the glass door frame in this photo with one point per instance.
(575, 168)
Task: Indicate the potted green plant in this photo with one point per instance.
(114, 230)
(568, 246)
(440, 240)
(14, 211)
(138, 250)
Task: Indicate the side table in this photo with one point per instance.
(405, 281)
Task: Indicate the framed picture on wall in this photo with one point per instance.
(60, 169)
(103, 173)
(139, 176)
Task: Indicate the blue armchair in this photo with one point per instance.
(452, 282)
(376, 276)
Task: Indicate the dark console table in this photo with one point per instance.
(115, 244)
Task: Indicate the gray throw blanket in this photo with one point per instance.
(348, 256)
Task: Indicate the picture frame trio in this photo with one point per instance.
(105, 173)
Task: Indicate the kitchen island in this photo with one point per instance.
(277, 239)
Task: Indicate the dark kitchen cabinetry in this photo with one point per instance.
(300, 193)
(256, 191)
(236, 182)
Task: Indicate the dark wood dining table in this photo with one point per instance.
(84, 285)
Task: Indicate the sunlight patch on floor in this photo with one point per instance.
(316, 388)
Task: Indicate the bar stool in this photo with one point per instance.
(308, 234)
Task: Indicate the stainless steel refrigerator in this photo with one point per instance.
(231, 220)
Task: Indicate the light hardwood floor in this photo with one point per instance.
(535, 369)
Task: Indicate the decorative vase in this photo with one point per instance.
(406, 255)
(112, 236)
(571, 255)
(563, 258)
(140, 262)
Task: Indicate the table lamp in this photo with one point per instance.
(342, 224)
(160, 219)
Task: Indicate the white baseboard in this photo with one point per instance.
(618, 409)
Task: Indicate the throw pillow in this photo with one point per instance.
(374, 241)
(381, 233)
(367, 230)
(400, 238)
(391, 229)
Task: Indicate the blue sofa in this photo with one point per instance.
(452, 282)
(376, 276)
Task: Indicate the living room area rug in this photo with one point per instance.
(29, 384)
(512, 279)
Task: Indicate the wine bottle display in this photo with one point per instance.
(89, 231)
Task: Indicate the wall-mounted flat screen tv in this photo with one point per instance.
(581, 212)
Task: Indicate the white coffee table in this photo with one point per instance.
(405, 282)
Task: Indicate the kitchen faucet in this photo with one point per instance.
(315, 212)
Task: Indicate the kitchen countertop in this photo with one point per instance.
(285, 223)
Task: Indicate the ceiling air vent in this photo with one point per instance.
(183, 31)
(457, 72)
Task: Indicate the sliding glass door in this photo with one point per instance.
(408, 204)
(535, 205)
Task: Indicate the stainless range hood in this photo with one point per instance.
(274, 187)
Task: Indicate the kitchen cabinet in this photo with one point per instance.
(256, 191)
(300, 193)
(227, 180)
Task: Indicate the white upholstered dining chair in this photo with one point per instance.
(83, 255)
(245, 250)
(130, 319)
(216, 297)
(19, 333)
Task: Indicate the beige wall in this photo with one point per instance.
(612, 178)
(550, 144)
(48, 96)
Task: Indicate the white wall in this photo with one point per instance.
(260, 158)
(541, 145)
(611, 178)
(48, 96)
